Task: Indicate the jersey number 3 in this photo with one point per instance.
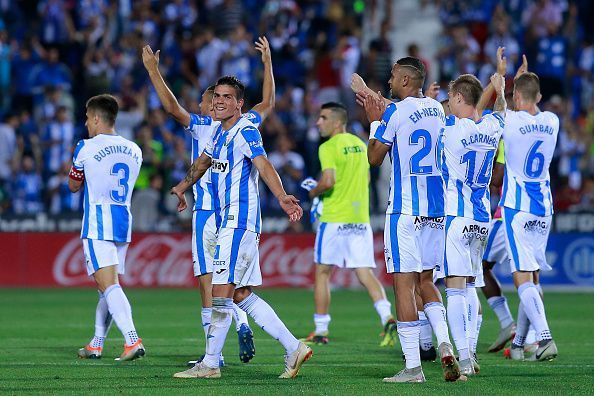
(122, 172)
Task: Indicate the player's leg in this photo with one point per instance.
(433, 243)
(495, 252)
(103, 321)
(322, 304)
(107, 259)
(526, 238)
(472, 328)
(358, 245)
(403, 261)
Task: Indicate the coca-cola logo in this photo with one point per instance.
(165, 260)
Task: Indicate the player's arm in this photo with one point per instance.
(380, 139)
(326, 182)
(270, 176)
(76, 176)
(498, 83)
(268, 87)
(75, 180)
(489, 89)
(196, 171)
(360, 88)
(168, 100)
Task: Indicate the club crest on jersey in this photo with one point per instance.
(220, 166)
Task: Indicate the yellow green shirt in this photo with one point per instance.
(500, 153)
(348, 200)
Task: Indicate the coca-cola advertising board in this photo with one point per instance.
(157, 260)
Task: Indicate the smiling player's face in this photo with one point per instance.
(225, 102)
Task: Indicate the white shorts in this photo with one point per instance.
(526, 237)
(495, 251)
(101, 254)
(413, 243)
(236, 258)
(465, 243)
(344, 245)
(204, 240)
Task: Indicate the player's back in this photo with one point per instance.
(469, 148)
(412, 127)
(529, 146)
(348, 200)
(111, 165)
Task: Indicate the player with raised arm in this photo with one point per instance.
(236, 157)
(530, 136)
(201, 127)
(469, 144)
(106, 166)
(344, 238)
(414, 231)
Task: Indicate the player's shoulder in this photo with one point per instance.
(550, 116)
(253, 116)
(198, 119)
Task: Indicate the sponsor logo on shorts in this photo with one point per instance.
(218, 263)
(436, 223)
(475, 231)
(538, 226)
(352, 229)
(221, 271)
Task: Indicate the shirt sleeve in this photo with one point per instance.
(78, 158)
(198, 124)
(327, 159)
(254, 117)
(386, 132)
(253, 146)
(208, 150)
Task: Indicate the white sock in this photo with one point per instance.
(436, 313)
(534, 307)
(120, 310)
(268, 320)
(384, 310)
(408, 333)
(103, 322)
(479, 322)
(531, 335)
(206, 315)
(322, 322)
(220, 321)
(426, 334)
(457, 313)
(501, 309)
(240, 317)
(521, 326)
(473, 307)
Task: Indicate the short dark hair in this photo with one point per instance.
(529, 85)
(337, 108)
(105, 106)
(469, 87)
(415, 64)
(233, 82)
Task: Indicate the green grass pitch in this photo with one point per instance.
(41, 330)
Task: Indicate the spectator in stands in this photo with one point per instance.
(24, 62)
(61, 199)
(57, 142)
(27, 188)
(5, 72)
(288, 163)
(8, 147)
(52, 72)
(147, 205)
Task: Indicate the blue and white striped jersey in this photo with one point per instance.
(411, 128)
(234, 177)
(469, 149)
(529, 145)
(111, 165)
(201, 129)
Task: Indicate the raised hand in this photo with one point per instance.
(264, 48)
(182, 204)
(150, 59)
(523, 67)
(498, 82)
(432, 91)
(374, 106)
(290, 205)
(358, 84)
(501, 61)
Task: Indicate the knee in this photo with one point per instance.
(241, 294)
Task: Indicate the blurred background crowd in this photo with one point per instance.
(55, 54)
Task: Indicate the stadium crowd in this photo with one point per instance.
(54, 54)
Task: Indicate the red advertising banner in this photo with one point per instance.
(158, 260)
